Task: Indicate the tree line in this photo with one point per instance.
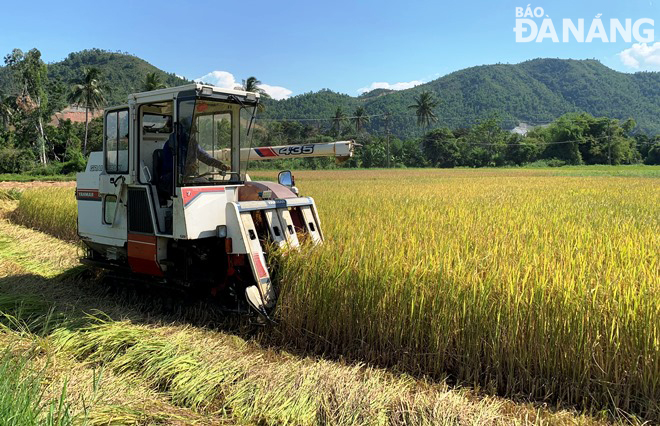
(572, 139)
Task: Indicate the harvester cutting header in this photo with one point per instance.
(169, 199)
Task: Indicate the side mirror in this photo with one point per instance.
(285, 178)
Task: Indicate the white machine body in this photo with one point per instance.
(167, 198)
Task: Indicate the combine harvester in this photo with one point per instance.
(168, 201)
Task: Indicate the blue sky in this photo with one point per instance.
(299, 46)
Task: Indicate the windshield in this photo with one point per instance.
(205, 142)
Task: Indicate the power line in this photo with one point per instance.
(320, 119)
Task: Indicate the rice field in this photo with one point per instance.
(519, 283)
(52, 210)
(88, 356)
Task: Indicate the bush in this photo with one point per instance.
(653, 156)
(14, 160)
(551, 162)
(75, 163)
(556, 162)
(50, 169)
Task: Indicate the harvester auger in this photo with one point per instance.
(169, 200)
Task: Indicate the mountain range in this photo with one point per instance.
(534, 92)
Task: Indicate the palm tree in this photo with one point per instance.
(424, 105)
(338, 120)
(88, 93)
(360, 118)
(252, 85)
(153, 82)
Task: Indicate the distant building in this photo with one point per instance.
(521, 129)
(75, 114)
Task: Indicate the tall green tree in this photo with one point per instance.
(30, 77)
(337, 120)
(441, 148)
(89, 94)
(153, 82)
(6, 110)
(360, 118)
(424, 105)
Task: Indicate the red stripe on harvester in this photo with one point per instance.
(261, 271)
(266, 152)
(191, 193)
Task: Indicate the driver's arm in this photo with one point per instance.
(205, 158)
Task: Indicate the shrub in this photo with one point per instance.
(552, 162)
(53, 168)
(75, 163)
(13, 160)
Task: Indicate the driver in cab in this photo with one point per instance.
(193, 152)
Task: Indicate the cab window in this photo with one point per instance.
(116, 141)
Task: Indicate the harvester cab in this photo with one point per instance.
(169, 200)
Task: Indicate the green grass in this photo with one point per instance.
(637, 170)
(10, 194)
(22, 401)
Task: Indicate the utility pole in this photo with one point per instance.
(387, 126)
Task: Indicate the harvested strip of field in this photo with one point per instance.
(179, 373)
(36, 184)
(92, 394)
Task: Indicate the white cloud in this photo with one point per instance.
(641, 56)
(276, 92)
(227, 80)
(393, 86)
(222, 79)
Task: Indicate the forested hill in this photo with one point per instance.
(533, 92)
(536, 92)
(122, 73)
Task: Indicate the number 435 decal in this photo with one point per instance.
(296, 150)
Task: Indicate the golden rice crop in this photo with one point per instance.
(51, 210)
(514, 281)
(542, 286)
